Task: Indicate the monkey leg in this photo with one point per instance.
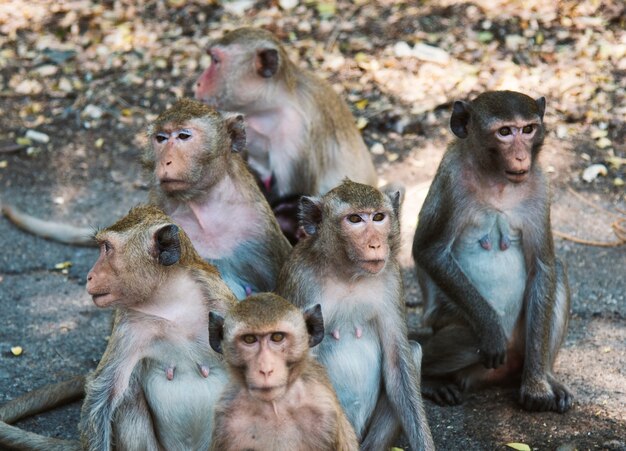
(133, 426)
(447, 357)
(383, 428)
(540, 390)
(43, 399)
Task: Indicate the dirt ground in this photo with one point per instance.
(91, 75)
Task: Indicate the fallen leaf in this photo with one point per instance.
(4, 164)
(592, 172)
(519, 446)
(63, 265)
(16, 350)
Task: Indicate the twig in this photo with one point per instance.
(618, 226)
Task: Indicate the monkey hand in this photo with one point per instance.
(492, 347)
(546, 393)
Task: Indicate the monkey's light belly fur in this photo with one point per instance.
(185, 420)
(356, 370)
(498, 272)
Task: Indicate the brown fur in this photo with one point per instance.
(495, 295)
(163, 291)
(372, 365)
(301, 133)
(279, 397)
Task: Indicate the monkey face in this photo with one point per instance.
(514, 142)
(367, 235)
(267, 371)
(102, 283)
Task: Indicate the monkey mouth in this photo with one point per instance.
(517, 176)
(99, 298)
(267, 393)
(373, 266)
(169, 184)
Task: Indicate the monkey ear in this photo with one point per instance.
(314, 324)
(167, 244)
(237, 132)
(310, 214)
(395, 192)
(541, 105)
(216, 331)
(460, 118)
(266, 62)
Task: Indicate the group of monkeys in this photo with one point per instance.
(215, 312)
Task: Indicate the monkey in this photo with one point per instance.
(278, 397)
(205, 186)
(302, 137)
(347, 262)
(494, 293)
(162, 291)
(200, 180)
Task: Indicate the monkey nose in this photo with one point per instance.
(374, 246)
(167, 163)
(266, 373)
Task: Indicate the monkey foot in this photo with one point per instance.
(204, 370)
(358, 332)
(169, 372)
(545, 395)
(444, 394)
(335, 334)
(505, 243)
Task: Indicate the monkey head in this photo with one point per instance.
(355, 225)
(135, 254)
(245, 66)
(505, 129)
(265, 340)
(190, 144)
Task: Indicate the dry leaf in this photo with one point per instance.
(519, 446)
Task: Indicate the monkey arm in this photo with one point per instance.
(547, 307)
(107, 387)
(432, 251)
(401, 376)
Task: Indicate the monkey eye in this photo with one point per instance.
(528, 128)
(504, 131)
(249, 339)
(184, 135)
(277, 337)
(106, 247)
(160, 137)
(354, 219)
(378, 217)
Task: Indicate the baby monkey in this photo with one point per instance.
(279, 397)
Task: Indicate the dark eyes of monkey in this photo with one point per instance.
(276, 337)
(377, 217)
(506, 131)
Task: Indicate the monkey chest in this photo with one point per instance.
(351, 353)
(181, 398)
(304, 428)
(489, 251)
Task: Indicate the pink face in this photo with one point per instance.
(515, 144)
(267, 373)
(209, 82)
(368, 234)
(173, 150)
(103, 281)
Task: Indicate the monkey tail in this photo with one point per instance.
(43, 399)
(56, 231)
(15, 438)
